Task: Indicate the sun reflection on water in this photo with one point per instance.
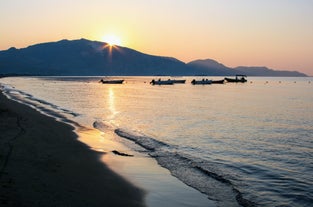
(111, 102)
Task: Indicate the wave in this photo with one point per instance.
(42, 106)
(194, 172)
(144, 141)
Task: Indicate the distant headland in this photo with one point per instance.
(88, 58)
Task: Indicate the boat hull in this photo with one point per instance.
(218, 81)
(179, 81)
(162, 82)
(201, 82)
(111, 81)
(233, 80)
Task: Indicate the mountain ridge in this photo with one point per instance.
(86, 57)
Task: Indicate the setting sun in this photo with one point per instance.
(111, 40)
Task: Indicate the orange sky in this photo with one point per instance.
(277, 34)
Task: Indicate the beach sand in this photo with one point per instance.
(43, 164)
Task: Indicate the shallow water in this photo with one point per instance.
(241, 144)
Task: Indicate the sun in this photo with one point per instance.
(111, 40)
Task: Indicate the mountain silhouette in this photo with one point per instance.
(85, 57)
(264, 71)
(215, 68)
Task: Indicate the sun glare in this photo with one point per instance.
(111, 40)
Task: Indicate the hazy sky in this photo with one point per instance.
(273, 33)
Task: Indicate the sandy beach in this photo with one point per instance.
(43, 164)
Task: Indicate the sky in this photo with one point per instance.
(273, 33)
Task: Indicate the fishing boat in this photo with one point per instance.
(218, 81)
(162, 82)
(111, 81)
(237, 79)
(178, 81)
(201, 82)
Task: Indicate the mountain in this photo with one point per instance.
(215, 68)
(264, 71)
(85, 57)
(210, 67)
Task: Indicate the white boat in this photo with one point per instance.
(201, 82)
(162, 82)
(181, 81)
(237, 79)
(111, 81)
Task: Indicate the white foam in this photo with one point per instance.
(188, 169)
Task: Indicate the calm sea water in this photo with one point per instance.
(241, 144)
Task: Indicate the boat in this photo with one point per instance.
(201, 82)
(162, 82)
(237, 79)
(111, 81)
(179, 81)
(218, 81)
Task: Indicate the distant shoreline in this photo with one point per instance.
(199, 75)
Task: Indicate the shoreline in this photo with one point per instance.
(43, 163)
(161, 187)
(150, 184)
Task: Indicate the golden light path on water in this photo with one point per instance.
(111, 103)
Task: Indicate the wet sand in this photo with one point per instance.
(43, 164)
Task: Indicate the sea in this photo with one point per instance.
(245, 143)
